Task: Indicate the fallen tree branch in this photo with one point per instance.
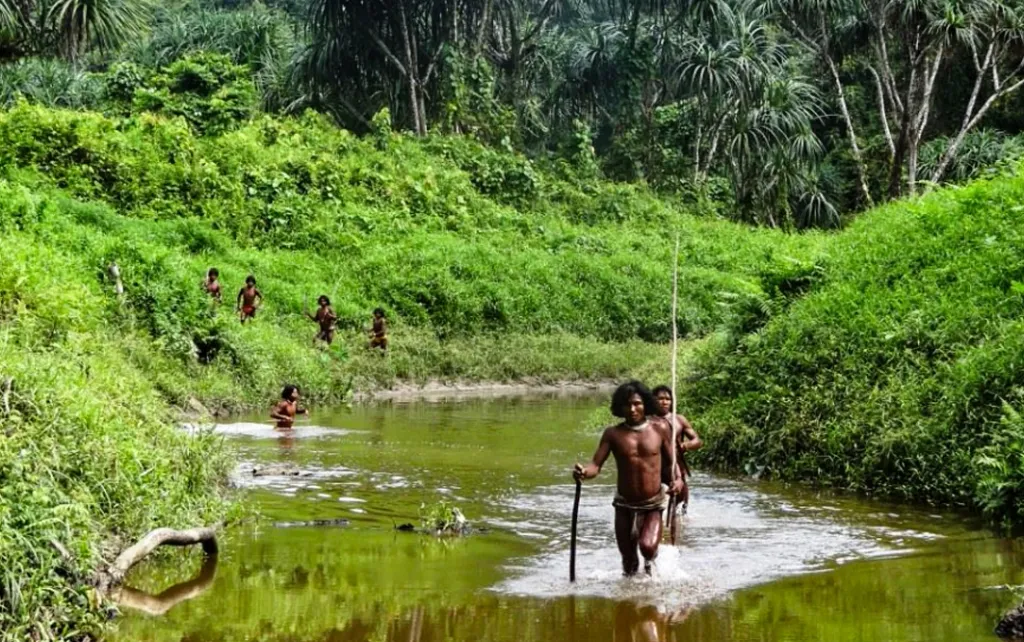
(134, 554)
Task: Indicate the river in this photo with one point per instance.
(756, 561)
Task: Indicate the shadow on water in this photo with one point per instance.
(756, 561)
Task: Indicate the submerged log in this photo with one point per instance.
(1012, 625)
(134, 554)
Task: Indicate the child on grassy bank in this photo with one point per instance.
(379, 333)
(327, 319)
(249, 299)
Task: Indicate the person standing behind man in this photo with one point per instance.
(640, 443)
(687, 439)
(249, 299)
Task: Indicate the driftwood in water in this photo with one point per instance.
(134, 554)
(1012, 624)
(131, 598)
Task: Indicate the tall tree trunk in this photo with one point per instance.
(485, 27)
(858, 158)
(412, 73)
(896, 171)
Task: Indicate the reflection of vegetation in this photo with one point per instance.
(132, 598)
(308, 585)
(361, 586)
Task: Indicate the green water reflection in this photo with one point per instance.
(368, 582)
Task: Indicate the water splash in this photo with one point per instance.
(732, 537)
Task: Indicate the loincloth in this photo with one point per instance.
(641, 509)
(249, 310)
(325, 335)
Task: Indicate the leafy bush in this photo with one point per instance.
(1000, 489)
(88, 453)
(208, 90)
(891, 374)
(49, 82)
(983, 152)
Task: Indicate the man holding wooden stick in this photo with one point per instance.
(687, 440)
(640, 443)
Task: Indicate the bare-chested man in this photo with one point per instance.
(687, 439)
(639, 445)
(249, 299)
(284, 412)
(327, 319)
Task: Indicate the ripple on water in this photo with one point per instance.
(266, 431)
(733, 537)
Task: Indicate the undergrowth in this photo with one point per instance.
(901, 372)
(490, 266)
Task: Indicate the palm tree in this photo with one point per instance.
(72, 26)
(754, 110)
(105, 24)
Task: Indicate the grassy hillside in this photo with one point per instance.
(456, 241)
(490, 266)
(902, 372)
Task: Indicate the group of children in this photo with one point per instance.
(250, 298)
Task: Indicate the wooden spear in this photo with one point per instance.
(675, 345)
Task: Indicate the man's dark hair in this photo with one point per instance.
(660, 389)
(324, 297)
(250, 279)
(379, 312)
(625, 392)
(287, 392)
(213, 272)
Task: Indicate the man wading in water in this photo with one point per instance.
(687, 439)
(638, 443)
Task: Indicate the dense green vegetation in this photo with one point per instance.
(490, 265)
(781, 112)
(900, 372)
(882, 359)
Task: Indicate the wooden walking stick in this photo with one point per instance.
(675, 349)
(572, 539)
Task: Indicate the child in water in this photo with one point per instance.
(285, 411)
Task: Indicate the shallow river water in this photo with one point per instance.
(755, 562)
